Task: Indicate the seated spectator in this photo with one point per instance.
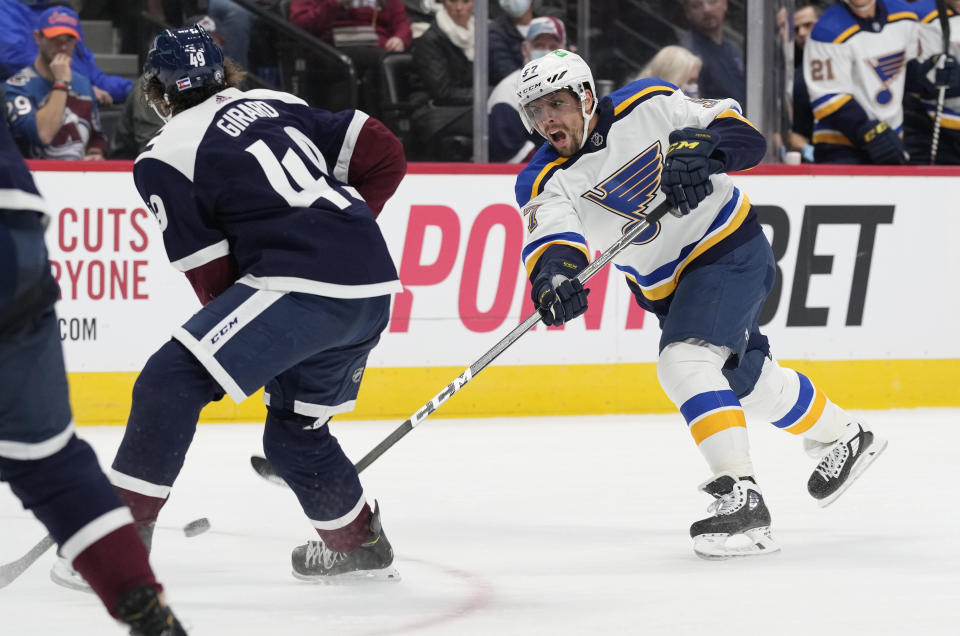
(678, 66)
(723, 70)
(506, 35)
(801, 127)
(52, 110)
(421, 13)
(18, 48)
(364, 30)
(509, 140)
(236, 24)
(443, 58)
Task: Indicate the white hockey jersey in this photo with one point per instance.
(595, 196)
(854, 69)
(931, 43)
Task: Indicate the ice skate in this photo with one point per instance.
(62, 573)
(843, 462)
(373, 560)
(740, 525)
(142, 611)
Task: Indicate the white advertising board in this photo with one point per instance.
(867, 269)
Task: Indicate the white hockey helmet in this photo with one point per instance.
(556, 71)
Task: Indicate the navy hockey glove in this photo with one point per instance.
(948, 77)
(881, 143)
(687, 168)
(559, 299)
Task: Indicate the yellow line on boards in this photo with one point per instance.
(508, 391)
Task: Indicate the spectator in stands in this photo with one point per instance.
(52, 110)
(509, 140)
(723, 70)
(678, 66)
(801, 128)
(506, 36)
(421, 13)
(443, 57)
(364, 30)
(18, 48)
(235, 25)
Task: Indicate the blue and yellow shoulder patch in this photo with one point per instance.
(533, 178)
(635, 93)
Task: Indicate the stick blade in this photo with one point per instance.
(263, 468)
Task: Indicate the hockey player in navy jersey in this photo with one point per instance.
(268, 207)
(55, 474)
(854, 66)
(704, 272)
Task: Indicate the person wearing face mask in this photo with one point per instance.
(509, 140)
(506, 36)
(678, 66)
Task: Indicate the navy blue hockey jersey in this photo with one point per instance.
(261, 178)
(17, 189)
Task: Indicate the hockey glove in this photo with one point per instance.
(687, 168)
(559, 299)
(948, 77)
(881, 143)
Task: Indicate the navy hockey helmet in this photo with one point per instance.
(183, 59)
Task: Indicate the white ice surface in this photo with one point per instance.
(544, 526)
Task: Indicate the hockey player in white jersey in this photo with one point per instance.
(930, 74)
(704, 272)
(853, 65)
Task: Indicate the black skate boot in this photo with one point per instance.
(317, 563)
(844, 462)
(142, 611)
(740, 525)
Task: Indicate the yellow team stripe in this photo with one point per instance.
(717, 422)
(661, 292)
(650, 89)
(831, 138)
(930, 17)
(532, 260)
(831, 107)
(534, 191)
(846, 34)
(816, 410)
(902, 15)
(735, 115)
(395, 393)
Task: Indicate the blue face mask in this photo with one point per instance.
(515, 8)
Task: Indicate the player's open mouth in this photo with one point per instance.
(558, 136)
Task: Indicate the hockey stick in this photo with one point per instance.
(12, 570)
(262, 466)
(944, 20)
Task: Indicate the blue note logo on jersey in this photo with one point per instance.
(630, 189)
(887, 67)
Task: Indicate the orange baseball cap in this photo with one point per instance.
(59, 20)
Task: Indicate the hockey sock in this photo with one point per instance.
(310, 460)
(167, 399)
(791, 402)
(690, 374)
(116, 564)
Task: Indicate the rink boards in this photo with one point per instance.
(865, 301)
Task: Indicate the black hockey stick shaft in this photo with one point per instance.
(12, 570)
(944, 20)
(461, 380)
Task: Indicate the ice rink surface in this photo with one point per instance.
(552, 526)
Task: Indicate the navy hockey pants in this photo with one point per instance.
(310, 353)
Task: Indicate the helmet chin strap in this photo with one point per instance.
(586, 118)
(153, 105)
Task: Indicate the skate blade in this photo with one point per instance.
(361, 577)
(878, 446)
(720, 546)
(66, 576)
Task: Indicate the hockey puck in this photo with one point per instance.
(197, 526)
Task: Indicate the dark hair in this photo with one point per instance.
(153, 91)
